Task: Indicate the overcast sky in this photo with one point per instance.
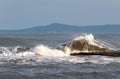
(16, 14)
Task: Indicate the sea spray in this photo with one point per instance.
(86, 43)
(46, 51)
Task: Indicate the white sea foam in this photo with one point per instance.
(91, 40)
(46, 51)
(87, 37)
(42, 53)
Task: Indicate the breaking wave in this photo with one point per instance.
(85, 43)
(46, 51)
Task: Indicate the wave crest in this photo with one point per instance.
(46, 51)
(85, 43)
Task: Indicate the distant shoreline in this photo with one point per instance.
(57, 28)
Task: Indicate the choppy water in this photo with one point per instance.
(29, 65)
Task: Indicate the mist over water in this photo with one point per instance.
(36, 56)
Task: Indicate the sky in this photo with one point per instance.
(19, 14)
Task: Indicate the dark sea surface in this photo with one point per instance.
(51, 63)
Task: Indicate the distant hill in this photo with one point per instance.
(62, 28)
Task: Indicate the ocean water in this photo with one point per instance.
(37, 56)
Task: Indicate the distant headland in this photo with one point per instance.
(64, 28)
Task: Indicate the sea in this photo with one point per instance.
(35, 56)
